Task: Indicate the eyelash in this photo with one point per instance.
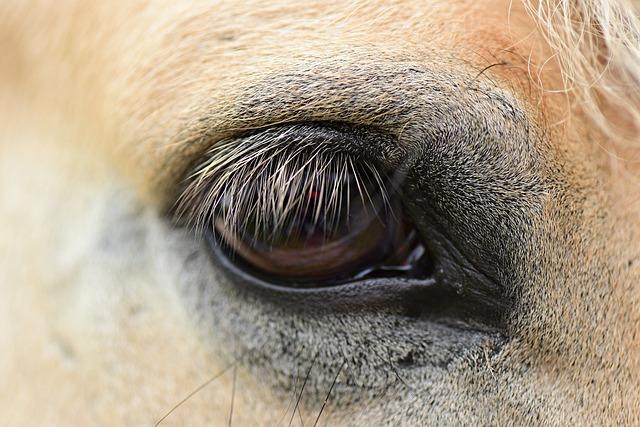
(265, 175)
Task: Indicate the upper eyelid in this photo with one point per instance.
(406, 104)
(400, 100)
(380, 95)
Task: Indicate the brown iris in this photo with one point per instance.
(342, 227)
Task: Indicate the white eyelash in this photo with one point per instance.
(266, 177)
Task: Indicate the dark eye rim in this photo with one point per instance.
(367, 294)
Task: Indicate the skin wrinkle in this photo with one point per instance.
(105, 107)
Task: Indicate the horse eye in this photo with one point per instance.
(330, 228)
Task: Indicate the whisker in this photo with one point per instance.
(199, 389)
(304, 383)
(384, 393)
(233, 393)
(326, 399)
(295, 390)
(395, 372)
(293, 395)
(300, 417)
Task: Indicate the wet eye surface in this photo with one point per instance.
(346, 224)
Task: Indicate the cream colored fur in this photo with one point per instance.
(100, 105)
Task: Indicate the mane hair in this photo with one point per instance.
(597, 44)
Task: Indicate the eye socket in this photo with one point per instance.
(343, 226)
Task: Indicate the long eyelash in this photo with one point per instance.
(266, 177)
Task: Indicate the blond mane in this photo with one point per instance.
(597, 45)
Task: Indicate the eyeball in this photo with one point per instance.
(343, 226)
